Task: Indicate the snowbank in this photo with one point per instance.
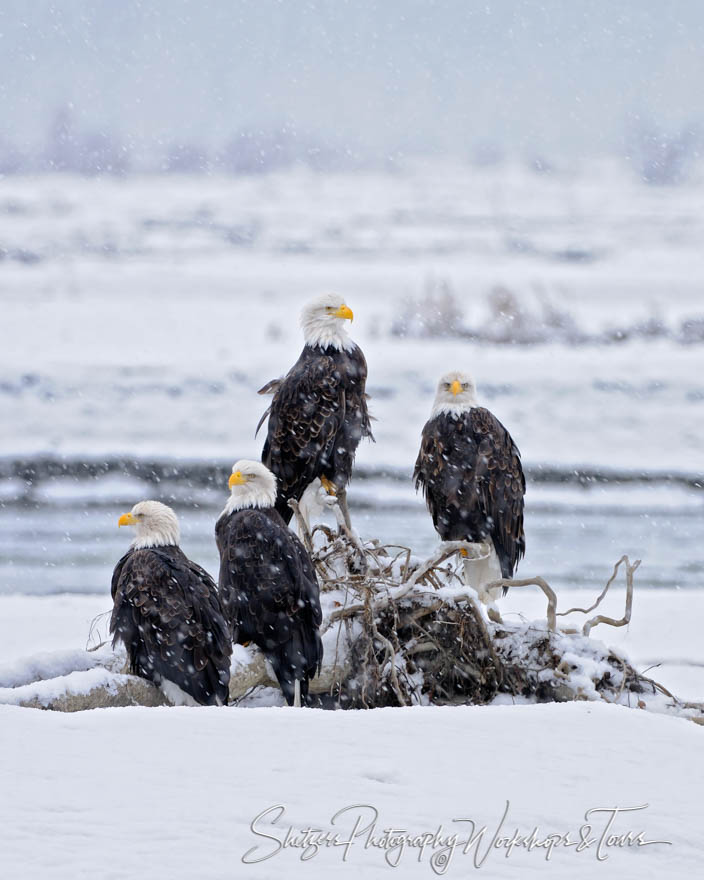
(105, 793)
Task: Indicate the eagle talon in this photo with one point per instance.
(328, 486)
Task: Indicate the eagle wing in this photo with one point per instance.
(270, 592)
(501, 485)
(266, 577)
(305, 416)
(302, 570)
(167, 612)
(356, 422)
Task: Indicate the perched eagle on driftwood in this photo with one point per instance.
(167, 612)
(267, 583)
(319, 411)
(470, 471)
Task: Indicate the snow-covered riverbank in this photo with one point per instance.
(92, 792)
(89, 793)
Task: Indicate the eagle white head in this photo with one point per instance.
(456, 394)
(156, 525)
(323, 321)
(251, 485)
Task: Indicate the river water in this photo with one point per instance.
(63, 537)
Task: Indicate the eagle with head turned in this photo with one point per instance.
(167, 612)
(267, 582)
(319, 413)
(470, 471)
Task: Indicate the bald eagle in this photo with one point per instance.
(167, 612)
(319, 411)
(470, 471)
(267, 581)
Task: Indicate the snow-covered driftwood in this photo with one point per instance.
(96, 688)
(397, 631)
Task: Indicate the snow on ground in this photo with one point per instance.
(108, 792)
(31, 625)
(101, 793)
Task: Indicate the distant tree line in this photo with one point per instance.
(249, 151)
(657, 156)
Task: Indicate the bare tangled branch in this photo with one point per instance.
(538, 582)
(626, 619)
(552, 612)
(601, 595)
(411, 630)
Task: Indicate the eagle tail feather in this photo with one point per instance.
(297, 661)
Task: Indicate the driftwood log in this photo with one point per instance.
(397, 632)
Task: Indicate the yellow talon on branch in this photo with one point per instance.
(328, 486)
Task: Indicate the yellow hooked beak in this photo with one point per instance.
(456, 387)
(344, 312)
(127, 520)
(236, 479)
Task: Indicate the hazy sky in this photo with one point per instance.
(557, 76)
